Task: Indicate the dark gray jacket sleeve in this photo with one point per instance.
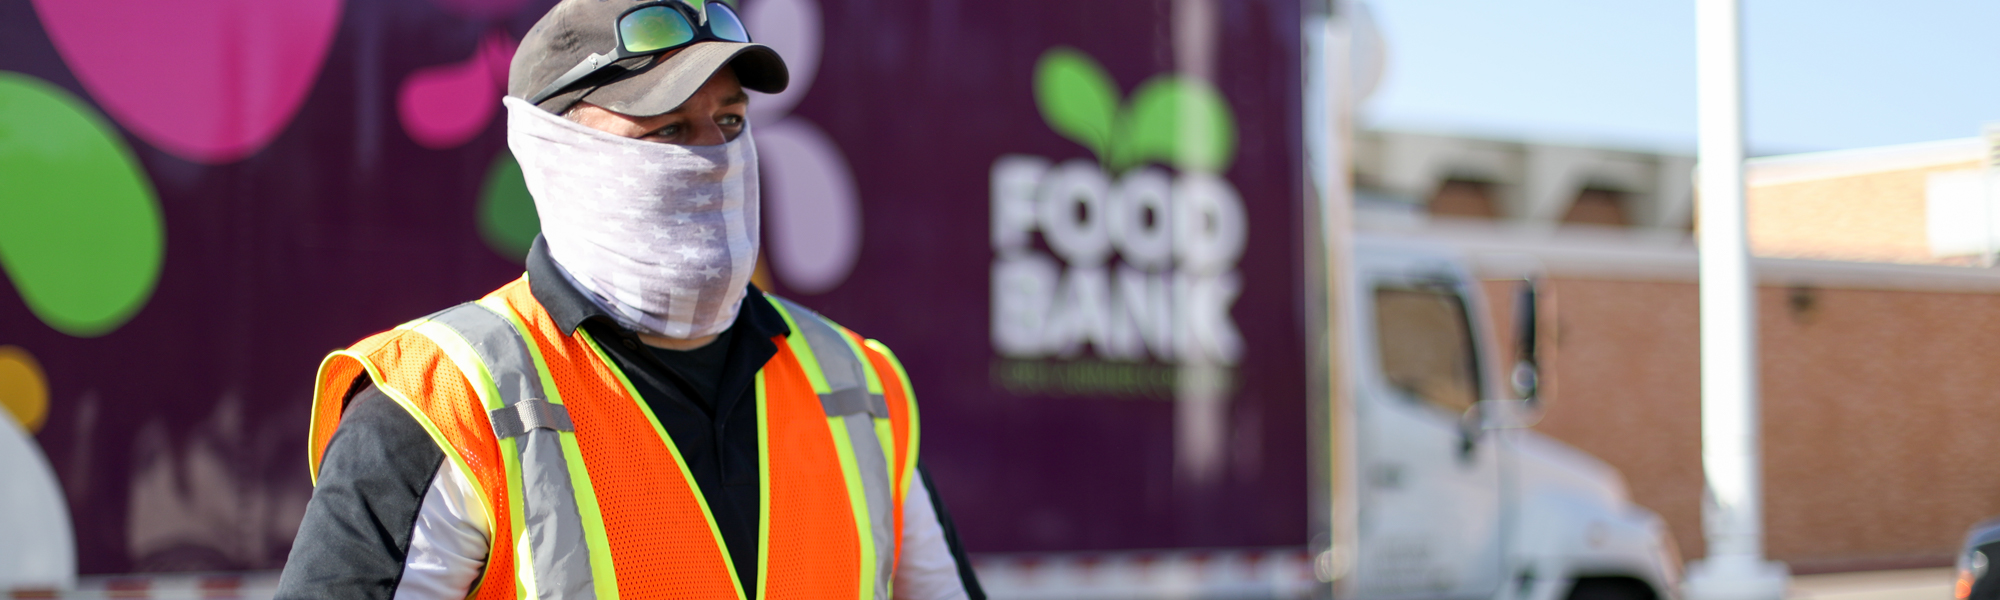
(372, 481)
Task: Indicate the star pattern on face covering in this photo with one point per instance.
(643, 228)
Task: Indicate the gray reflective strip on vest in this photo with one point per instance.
(857, 409)
(527, 415)
(548, 504)
(874, 467)
(845, 380)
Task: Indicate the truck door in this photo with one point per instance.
(1429, 485)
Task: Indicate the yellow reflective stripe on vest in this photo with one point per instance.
(875, 577)
(801, 350)
(909, 404)
(546, 507)
(430, 428)
(857, 497)
(886, 431)
(885, 434)
(827, 341)
(591, 517)
(461, 355)
(857, 416)
(861, 358)
(489, 353)
(442, 337)
(680, 464)
(763, 491)
(838, 371)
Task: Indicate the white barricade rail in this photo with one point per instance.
(1231, 574)
(1237, 573)
(260, 585)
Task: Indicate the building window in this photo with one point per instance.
(1598, 207)
(1460, 198)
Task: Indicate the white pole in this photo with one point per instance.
(1735, 568)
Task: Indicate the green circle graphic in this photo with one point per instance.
(81, 235)
(507, 218)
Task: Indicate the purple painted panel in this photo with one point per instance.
(1085, 449)
(1147, 389)
(179, 436)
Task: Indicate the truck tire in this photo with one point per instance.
(1610, 588)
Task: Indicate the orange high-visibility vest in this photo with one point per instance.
(589, 498)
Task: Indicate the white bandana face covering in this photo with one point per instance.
(662, 236)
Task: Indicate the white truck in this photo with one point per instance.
(1432, 483)
(1454, 496)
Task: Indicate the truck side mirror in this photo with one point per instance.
(1523, 409)
(1526, 378)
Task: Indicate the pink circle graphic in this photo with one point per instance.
(480, 9)
(210, 81)
(445, 106)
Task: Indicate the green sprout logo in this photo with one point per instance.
(1170, 119)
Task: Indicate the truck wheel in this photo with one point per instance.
(1610, 588)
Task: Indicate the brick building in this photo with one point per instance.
(1878, 402)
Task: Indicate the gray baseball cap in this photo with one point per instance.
(643, 86)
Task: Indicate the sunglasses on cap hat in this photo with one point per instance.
(653, 28)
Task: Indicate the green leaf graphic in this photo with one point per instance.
(1076, 98)
(1178, 121)
(1170, 119)
(507, 218)
(81, 236)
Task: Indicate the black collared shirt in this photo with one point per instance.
(380, 464)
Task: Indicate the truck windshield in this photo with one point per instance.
(1425, 345)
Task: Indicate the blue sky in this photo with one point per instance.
(1821, 74)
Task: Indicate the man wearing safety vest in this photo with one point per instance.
(631, 418)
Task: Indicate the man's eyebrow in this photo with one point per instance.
(739, 98)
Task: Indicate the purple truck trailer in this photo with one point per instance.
(1094, 231)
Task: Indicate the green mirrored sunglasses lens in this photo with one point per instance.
(723, 23)
(654, 28)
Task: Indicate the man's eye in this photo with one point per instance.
(730, 120)
(668, 131)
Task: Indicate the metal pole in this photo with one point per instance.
(1327, 29)
(1991, 134)
(1733, 514)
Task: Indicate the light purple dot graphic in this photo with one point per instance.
(792, 27)
(814, 210)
